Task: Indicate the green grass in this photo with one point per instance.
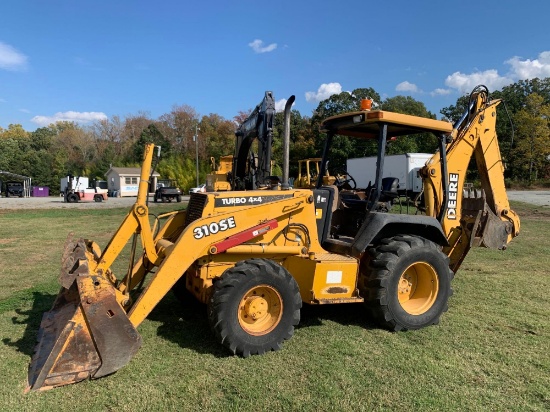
(491, 351)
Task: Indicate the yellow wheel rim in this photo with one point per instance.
(417, 288)
(260, 310)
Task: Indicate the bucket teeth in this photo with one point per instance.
(74, 261)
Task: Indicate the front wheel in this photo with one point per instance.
(178, 198)
(72, 198)
(98, 198)
(254, 307)
(408, 283)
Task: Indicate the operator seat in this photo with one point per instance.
(389, 189)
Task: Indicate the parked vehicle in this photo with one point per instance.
(308, 176)
(14, 189)
(219, 179)
(200, 189)
(78, 189)
(167, 190)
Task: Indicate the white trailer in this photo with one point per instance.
(405, 167)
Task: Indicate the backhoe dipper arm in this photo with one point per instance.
(258, 125)
(471, 218)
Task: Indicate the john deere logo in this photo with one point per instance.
(453, 193)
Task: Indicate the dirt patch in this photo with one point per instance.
(534, 214)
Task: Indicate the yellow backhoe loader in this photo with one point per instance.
(219, 179)
(254, 257)
(308, 174)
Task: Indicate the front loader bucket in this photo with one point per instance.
(86, 334)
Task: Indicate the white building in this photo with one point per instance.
(124, 181)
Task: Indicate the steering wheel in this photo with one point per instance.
(344, 180)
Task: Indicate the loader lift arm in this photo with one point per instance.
(136, 221)
(87, 333)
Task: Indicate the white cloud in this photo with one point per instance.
(24, 110)
(258, 46)
(465, 83)
(11, 59)
(77, 117)
(324, 92)
(407, 87)
(441, 92)
(280, 105)
(519, 70)
(529, 69)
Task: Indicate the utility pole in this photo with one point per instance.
(196, 139)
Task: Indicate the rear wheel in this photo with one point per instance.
(178, 198)
(98, 198)
(254, 307)
(408, 283)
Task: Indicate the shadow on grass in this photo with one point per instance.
(347, 314)
(187, 324)
(42, 302)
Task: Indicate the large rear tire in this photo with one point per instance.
(254, 307)
(408, 283)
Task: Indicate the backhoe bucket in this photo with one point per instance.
(86, 334)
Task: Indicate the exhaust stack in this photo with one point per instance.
(286, 144)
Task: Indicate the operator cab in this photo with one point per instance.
(345, 212)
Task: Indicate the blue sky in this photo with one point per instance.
(85, 60)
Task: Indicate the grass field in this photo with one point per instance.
(491, 351)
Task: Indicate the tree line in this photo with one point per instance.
(65, 148)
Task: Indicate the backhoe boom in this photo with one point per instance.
(473, 217)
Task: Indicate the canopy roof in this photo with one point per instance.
(366, 124)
